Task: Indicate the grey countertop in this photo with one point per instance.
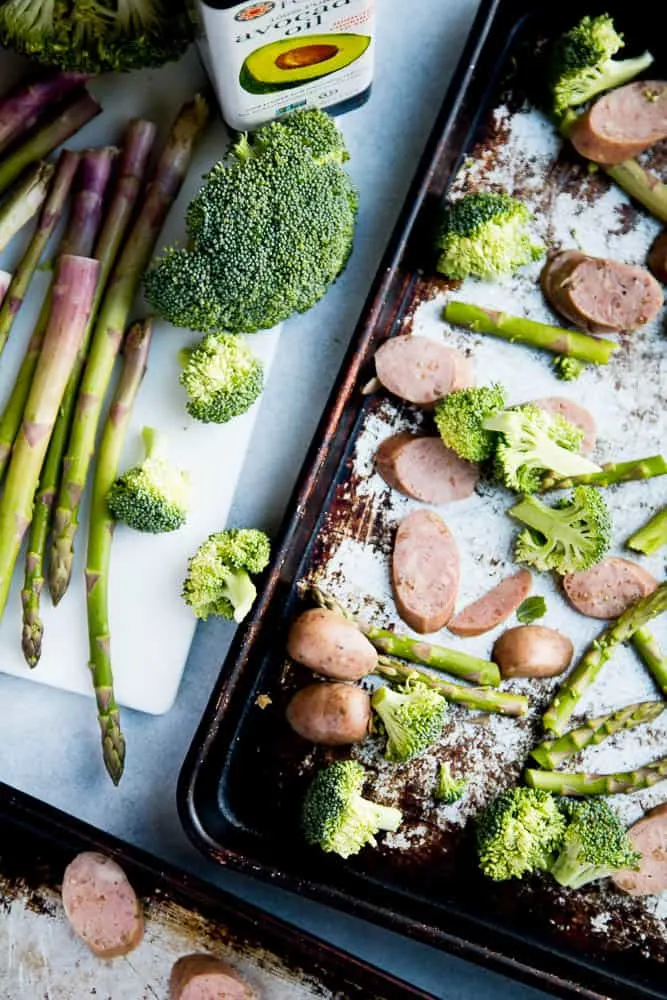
(48, 736)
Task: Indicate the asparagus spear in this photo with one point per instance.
(648, 649)
(24, 202)
(21, 109)
(526, 331)
(612, 472)
(652, 536)
(573, 687)
(73, 292)
(137, 147)
(100, 534)
(485, 698)
(552, 753)
(5, 282)
(63, 123)
(561, 783)
(116, 303)
(641, 185)
(428, 654)
(48, 220)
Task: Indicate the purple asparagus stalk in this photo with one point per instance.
(24, 202)
(21, 108)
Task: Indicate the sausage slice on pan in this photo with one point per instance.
(425, 571)
(421, 370)
(649, 836)
(424, 469)
(101, 905)
(609, 588)
(203, 977)
(493, 608)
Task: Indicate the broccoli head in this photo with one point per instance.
(448, 789)
(460, 416)
(532, 442)
(595, 845)
(222, 378)
(96, 36)
(573, 535)
(153, 496)
(582, 63)
(335, 815)
(484, 235)
(268, 233)
(518, 833)
(218, 579)
(567, 369)
(412, 718)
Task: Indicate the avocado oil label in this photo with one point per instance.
(268, 58)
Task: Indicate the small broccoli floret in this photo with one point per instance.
(335, 815)
(573, 535)
(218, 580)
(567, 369)
(154, 496)
(460, 418)
(412, 718)
(449, 790)
(484, 235)
(519, 833)
(595, 846)
(582, 63)
(532, 442)
(222, 378)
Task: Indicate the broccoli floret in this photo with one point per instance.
(449, 790)
(595, 846)
(222, 378)
(95, 36)
(573, 535)
(218, 580)
(153, 496)
(532, 442)
(567, 369)
(460, 418)
(412, 717)
(268, 233)
(335, 815)
(484, 235)
(582, 63)
(519, 833)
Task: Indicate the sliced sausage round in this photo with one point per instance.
(649, 836)
(203, 977)
(421, 370)
(493, 608)
(101, 905)
(425, 571)
(330, 645)
(575, 414)
(424, 469)
(609, 588)
(622, 123)
(532, 651)
(330, 714)
(657, 257)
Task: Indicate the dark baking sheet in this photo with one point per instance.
(183, 914)
(434, 893)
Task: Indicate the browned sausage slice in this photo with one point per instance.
(622, 123)
(330, 714)
(420, 370)
(649, 836)
(101, 905)
(425, 571)
(557, 270)
(609, 588)
(330, 645)
(203, 977)
(575, 414)
(424, 469)
(494, 608)
(657, 257)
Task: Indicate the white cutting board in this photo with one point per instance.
(151, 627)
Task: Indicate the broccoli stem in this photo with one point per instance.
(612, 472)
(484, 698)
(119, 295)
(621, 782)
(49, 218)
(79, 109)
(100, 535)
(73, 290)
(427, 654)
(552, 753)
(646, 645)
(652, 536)
(24, 202)
(21, 109)
(641, 185)
(526, 331)
(577, 683)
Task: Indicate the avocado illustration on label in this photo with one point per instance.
(292, 62)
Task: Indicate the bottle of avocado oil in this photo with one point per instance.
(273, 56)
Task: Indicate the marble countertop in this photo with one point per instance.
(48, 735)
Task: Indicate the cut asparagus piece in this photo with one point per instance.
(580, 784)
(652, 537)
(112, 317)
(22, 108)
(641, 185)
(24, 202)
(646, 645)
(100, 535)
(612, 472)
